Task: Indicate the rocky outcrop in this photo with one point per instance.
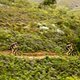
(69, 3)
(38, 1)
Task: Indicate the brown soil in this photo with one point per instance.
(41, 53)
(35, 55)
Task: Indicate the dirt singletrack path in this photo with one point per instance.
(35, 55)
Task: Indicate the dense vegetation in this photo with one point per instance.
(48, 2)
(39, 27)
(13, 68)
(21, 22)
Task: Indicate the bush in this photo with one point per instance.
(13, 68)
(48, 2)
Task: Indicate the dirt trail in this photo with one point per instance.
(35, 55)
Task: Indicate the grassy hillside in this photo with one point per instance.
(21, 22)
(39, 28)
(13, 68)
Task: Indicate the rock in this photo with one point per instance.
(59, 31)
(37, 1)
(69, 3)
(43, 28)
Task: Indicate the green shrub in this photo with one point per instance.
(48, 2)
(13, 68)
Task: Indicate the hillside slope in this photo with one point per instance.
(13, 68)
(38, 29)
